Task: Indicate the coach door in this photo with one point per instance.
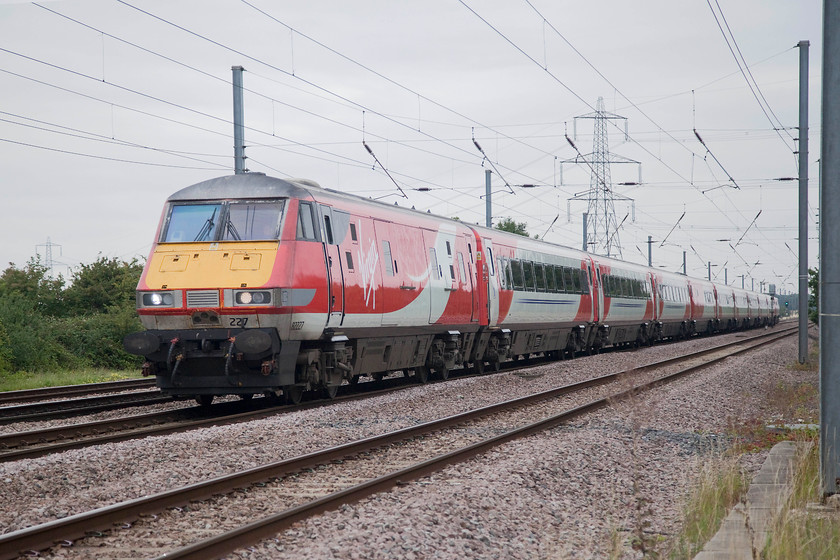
(492, 282)
(596, 293)
(336, 224)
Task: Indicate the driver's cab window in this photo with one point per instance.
(306, 223)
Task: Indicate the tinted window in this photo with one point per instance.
(539, 277)
(516, 273)
(559, 277)
(550, 284)
(529, 275)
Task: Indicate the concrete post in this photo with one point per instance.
(238, 122)
(803, 201)
(829, 304)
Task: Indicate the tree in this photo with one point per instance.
(813, 295)
(103, 284)
(34, 285)
(509, 225)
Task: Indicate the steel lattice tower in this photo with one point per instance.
(602, 226)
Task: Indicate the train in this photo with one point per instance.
(259, 285)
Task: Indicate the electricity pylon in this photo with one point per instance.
(602, 226)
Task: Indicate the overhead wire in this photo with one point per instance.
(745, 71)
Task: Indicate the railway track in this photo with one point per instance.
(36, 443)
(305, 486)
(38, 411)
(30, 395)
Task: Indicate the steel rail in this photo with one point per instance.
(31, 412)
(43, 536)
(29, 395)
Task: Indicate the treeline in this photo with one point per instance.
(48, 323)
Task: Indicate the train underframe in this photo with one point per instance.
(203, 363)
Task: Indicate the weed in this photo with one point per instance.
(721, 485)
(799, 533)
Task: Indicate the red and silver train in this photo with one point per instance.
(261, 285)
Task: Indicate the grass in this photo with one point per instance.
(800, 533)
(722, 484)
(27, 380)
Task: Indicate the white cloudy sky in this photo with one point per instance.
(107, 107)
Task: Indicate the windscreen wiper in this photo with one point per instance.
(208, 226)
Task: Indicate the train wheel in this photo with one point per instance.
(495, 365)
(443, 373)
(478, 366)
(421, 373)
(293, 393)
(246, 396)
(204, 400)
(354, 380)
(330, 391)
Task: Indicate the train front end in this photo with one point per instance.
(217, 293)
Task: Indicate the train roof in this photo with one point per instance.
(259, 185)
(245, 185)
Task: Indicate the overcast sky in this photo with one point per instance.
(108, 107)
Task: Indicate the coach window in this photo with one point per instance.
(501, 267)
(305, 224)
(516, 272)
(550, 284)
(462, 267)
(491, 261)
(539, 277)
(559, 283)
(568, 279)
(349, 261)
(528, 268)
(353, 232)
(580, 280)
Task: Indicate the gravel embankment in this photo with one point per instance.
(566, 493)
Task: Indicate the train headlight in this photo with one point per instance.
(257, 297)
(158, 299)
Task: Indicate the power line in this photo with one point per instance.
(121, 160)
(749, 79)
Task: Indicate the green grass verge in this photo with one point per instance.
(27, 380)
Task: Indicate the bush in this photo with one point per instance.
(97, 339)
(32, 338)
(5, 351)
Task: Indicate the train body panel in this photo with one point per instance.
(627, 303)
(257, 284)
(673, 305)
(704, 308)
